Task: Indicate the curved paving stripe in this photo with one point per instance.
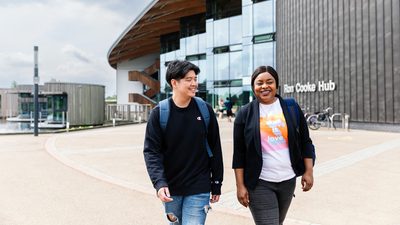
(355, 157)
(52, 150)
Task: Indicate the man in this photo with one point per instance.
(228, 105)
(177, 160)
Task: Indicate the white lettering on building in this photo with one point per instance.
(322, 86)
(288, 88)
(309, 87)
(305, 87)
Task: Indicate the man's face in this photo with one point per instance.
(187, 86)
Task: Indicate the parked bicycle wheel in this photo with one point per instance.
(313, 122)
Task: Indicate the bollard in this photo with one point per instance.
(114, 122)
(67, 126)
(346, 123)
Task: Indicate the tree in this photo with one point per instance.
(14, 84)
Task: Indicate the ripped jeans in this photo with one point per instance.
(188, 210)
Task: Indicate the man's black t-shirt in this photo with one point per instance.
(186, 166)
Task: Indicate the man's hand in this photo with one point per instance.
(163, 194)
(214, 198)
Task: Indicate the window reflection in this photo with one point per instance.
(235, 30)
(263, 54)
(221, 66)
(192, 45)
(236, 65)
(263, 17)
(221, 32)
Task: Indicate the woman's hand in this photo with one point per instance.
(307, 180)
(243, 195)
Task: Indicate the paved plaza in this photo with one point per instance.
(98, 177)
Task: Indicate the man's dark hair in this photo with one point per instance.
(177, 70)
(263, 69)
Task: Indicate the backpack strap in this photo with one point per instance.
(201, 105)
(294, 112)
(164, 113)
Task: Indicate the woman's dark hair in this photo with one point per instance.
(177, 70)
(263, 69)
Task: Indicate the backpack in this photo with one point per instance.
(294, 112)
(201, 105)
(295, 116)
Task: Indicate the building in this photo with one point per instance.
(343, 54)
(78, 104)
(227, 39)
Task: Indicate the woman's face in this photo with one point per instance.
(265, 88)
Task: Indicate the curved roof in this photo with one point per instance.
(142, 37)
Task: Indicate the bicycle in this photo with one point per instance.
(318, 119)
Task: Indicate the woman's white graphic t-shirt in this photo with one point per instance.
(274, 144)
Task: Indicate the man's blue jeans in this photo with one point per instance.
(188, 210)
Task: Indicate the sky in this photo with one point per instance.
(73, 37)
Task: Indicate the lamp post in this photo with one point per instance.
(36, 90)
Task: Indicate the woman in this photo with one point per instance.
(270, 151)
(221, 108)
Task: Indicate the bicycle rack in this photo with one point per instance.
(343, 117)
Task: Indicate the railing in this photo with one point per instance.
(128, 112)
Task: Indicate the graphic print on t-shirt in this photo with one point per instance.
(274, 144)
(273, 132)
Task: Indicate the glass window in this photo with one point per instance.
(192, 45)
(264, 38)
(234, 48)
(247, 20)
(263, 54)
(210, 34)
(203, 72)
(235, 65)
(234, 93)
(263, 21)
(192, 25)
(247, 60)
(219, 50)
(202, 43)
(235, 30)
(219, 9)
(221, 63)
(210, 67)
(169, 42)
(170, 56)
(221, 32)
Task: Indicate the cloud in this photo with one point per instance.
(16, 60)
(73, 37)
(77, 53)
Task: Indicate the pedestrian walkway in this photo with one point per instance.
(99, 176)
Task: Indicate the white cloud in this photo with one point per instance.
(73, 38)
(16, 59)
(77, 53)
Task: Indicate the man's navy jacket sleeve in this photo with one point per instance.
(152, 151)
(217, 167)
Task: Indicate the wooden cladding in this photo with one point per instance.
(144, 37)
(138, 98)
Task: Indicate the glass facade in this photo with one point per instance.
(229, 50)
(57, 106)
